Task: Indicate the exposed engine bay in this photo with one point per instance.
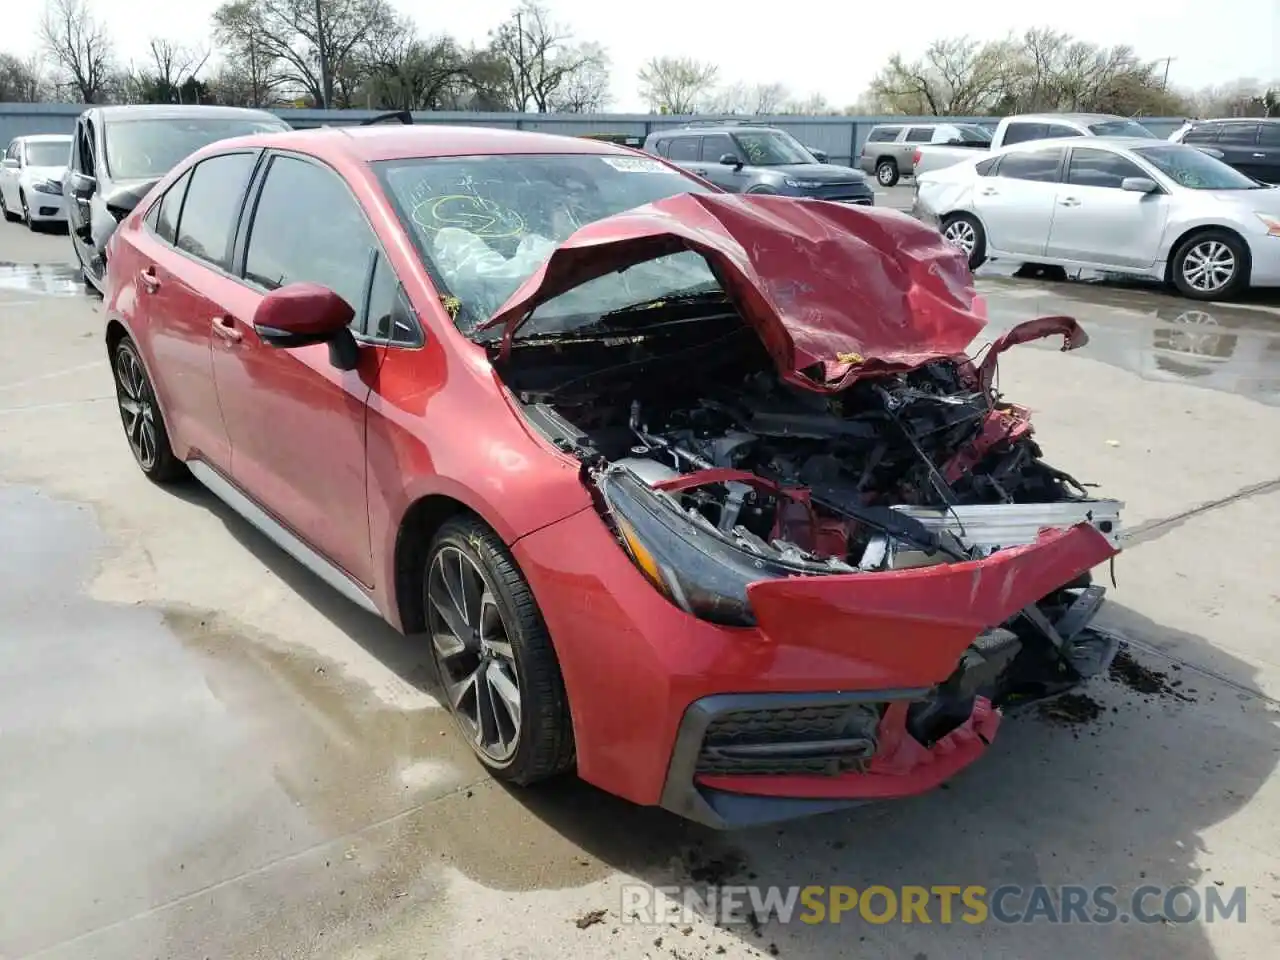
(716, 473)
(893, 472)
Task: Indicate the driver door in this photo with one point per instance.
(77, 200)
(723, 175)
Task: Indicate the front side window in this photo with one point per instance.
(1243, 134)
(1194, 169)
(1038, 165)
(215, 188)
(308, 226)
(1099, 168)
(772, 148)
(87, 144)
(918, 135)
(1061, 130)
(715, 146)
(48, 153)
(1269, 135)
(483, 225)
(12, 152)
(148, 149)
(1121, 128)
(390, 317)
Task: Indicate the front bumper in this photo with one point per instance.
(850, 689)
(46, 207)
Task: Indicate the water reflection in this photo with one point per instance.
(1158, 336)
(44, 279)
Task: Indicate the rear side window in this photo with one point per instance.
(170, 207)
(884, 135)
(1038, 165)
(683, 149)
(215, 188)
(1241, 133)
(1206, 133)
(918, 135)
(308, 226)
(1022, 132)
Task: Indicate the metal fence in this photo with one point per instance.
(840, 137)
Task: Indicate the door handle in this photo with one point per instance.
(990, 192)
(149, 279)
(1069, 202)
(1260, 156)
(225, 327)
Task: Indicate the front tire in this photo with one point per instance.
(144, 426)
(964, 231)
(9, 215)
(496, 664)
(1213, 265)
(887, 173)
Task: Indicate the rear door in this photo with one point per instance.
(296, 422)
(1238, 141)
(686, 152)
(1269, 146)
(1016, 203)
(1094, 220)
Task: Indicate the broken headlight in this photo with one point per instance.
(691, 562)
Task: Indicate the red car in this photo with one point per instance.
(696, 493)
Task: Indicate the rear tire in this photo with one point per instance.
(494, 655)
(144, 426)
(963, 230)
(887, 173)
(1213, 265)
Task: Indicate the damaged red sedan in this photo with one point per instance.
(698, 494)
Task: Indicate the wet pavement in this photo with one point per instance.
(207, 753)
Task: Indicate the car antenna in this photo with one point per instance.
(404, 116)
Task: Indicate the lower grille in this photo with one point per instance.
(820, 740)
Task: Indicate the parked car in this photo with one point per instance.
(604, 438)
(889, 150)
(1024, 128)
(118, 154)
(1252, 146)
(31, 179)
(753, 158)
(1125, 205)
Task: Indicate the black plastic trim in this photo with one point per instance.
(722, 810)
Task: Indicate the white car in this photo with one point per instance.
(1123, 205)
(31, 179)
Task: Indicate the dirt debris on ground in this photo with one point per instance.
(1128, 672)
(591, 918)
(1071, 709)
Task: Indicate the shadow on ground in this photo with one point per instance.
(1121, 799)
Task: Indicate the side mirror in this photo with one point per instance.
(10, 163)
(303, 314)
(1210, 151)
(1139, 185)
(82, 186)
(729, 160)
(819, 155)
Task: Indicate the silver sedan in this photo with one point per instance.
(1144, 207)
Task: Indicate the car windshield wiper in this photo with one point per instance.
(677, 299)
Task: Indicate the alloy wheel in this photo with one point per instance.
(472, 649)
(137, 408)
(1209, 266)
(886, 175)
(961, 234)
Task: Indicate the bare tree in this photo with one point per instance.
(676, 84)
(814, 105)
(585, 89)
(541, 59)
(759, 99)
(956, 77)
(170, 77)
(79, 46)
(315, 43)
(21, 81)
(406, 73)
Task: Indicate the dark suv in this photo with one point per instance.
(1252, 146)
(745, 158)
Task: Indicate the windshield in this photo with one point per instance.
(483, 225)
(1121, 128)
(1195, 170)
(148, 149)
(48, 153)
(772, 148)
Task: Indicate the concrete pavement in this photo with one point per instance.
(207, 753)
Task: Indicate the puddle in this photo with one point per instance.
(43, 279)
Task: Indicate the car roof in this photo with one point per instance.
(1198, 123)
(375, 142)
(44, 137)
(162, 111)
(1069, 117)
(715, 128)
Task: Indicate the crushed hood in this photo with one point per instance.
(835, 291)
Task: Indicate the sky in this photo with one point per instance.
(832, 47)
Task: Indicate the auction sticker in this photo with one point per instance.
(635, 165)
